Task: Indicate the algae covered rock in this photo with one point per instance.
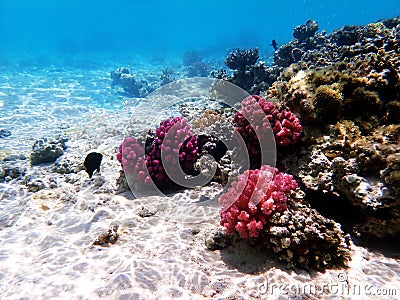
(303, 238)
(47, 150)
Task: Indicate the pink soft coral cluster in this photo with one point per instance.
(253, 198)
(132, 159)
(177, 142)
(255, 110)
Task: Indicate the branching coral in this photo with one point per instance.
(251, 200)
(240, 59)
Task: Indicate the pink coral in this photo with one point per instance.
(253, 198)
(131, 158)
(177, 142)
(256, 111)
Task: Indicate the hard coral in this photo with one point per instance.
(174, 138)
(257, 111)
(240, 59)
(303, 238)
(303, 32)
(252, 200)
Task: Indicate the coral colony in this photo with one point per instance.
(285, 125)
(258, 193)
(172, 136)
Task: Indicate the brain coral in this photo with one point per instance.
(253, 198)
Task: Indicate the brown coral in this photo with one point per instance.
(301, 237)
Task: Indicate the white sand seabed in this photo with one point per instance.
(46, 237)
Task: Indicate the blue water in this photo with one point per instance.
(161, 29)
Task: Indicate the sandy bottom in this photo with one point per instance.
(46, 237)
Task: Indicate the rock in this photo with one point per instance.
(123, 77)
(10, 170)
(36, 185)
(67, 165)
(303, 238)
(145, 213)
(110, 236)
(218, 239)
(14, 157)
(47, 150)
(4, 133)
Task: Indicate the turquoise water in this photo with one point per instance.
(161, 30)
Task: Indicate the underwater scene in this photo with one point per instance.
(199, 149)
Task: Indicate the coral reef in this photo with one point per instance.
(198, 69)
(47, 150)
(131, 156)
(166, 77)
(321, 49)
(345, 89)
(195, 66)
(306, 31)
(175, 138)
(266, 207)
(122, 77)
(250, 76)
(252, 200)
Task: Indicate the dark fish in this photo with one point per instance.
(92, 162)
(274, 44)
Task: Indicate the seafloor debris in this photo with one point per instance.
(108, 237)
(145, 212)
(11, 170)
(4, 133)
(217, 239)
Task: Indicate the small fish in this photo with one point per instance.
(274, 44)
(92, 162)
